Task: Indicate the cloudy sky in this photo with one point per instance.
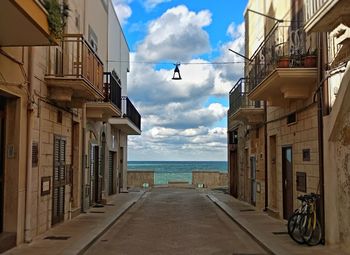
(186, 119)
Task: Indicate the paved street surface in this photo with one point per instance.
(175, 221)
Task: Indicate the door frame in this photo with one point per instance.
(287, 183)
(2, 161)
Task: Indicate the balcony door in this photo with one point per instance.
(287, 181)
(2, 144)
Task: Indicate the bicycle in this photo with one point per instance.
(303, 225)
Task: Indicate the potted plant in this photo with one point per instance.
(283, 62)
(310, 59)
(57, 17)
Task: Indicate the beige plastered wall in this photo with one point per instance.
(337, 167)
(13, 86)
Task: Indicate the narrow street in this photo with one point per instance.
(175, 221)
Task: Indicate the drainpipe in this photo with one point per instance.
(30, 112)
(320, 132)
(265, 163)
(84, 160)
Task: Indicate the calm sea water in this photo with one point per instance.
(166, 171)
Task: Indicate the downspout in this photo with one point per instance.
(265, 163)
(30, 112)
(320, 132)
(84, 160)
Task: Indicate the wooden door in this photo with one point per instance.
(234, 175)
(287, 181)
(2, 144)
(59, 180)
(94, 175)
(253, 180)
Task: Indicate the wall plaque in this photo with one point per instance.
(45, 185)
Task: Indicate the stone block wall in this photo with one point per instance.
(138, 178)
(210, 179)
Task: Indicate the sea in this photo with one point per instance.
(165, 171)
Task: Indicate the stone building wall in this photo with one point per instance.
(301, 135)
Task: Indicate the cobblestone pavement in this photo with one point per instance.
(175, 221)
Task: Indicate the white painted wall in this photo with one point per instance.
(118, 49)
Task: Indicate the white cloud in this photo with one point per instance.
(123, 10)
(178, 123)
(177, 35)
(151, 4)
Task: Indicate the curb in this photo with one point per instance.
(126, 207)
(228, 211)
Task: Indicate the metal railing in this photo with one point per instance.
(75, 59)
(239, 97)
(284, 46)
(112, 89)
(129, 111)
(312, 7)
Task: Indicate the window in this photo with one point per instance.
(292, 118)
(306, 155)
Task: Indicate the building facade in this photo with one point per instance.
(62, 149)
(297, 68)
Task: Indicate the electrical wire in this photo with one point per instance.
(173, 63)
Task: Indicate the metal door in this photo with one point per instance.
(287, 181)
(253, 180)
(2, 144)
(59, 179)
(111, 187)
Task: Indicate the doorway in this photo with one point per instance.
(287, 181)
(111, 183)
(59, 180)
(273, 174)
(2, 144)
(94, 175)
(253, 180)
(234, 176)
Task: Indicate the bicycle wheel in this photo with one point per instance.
(316, 235)
(294, 228)
(306, 227)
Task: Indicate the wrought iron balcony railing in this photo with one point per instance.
(129, 111)
(283, 47)
(239, 97)
(312, 7)
(75, 59)
(112, 89)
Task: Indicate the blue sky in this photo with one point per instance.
(182, 120)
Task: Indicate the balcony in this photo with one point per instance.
(75, 72)
(326, 15)
(282, 69)
(111, 105)
(243, 109)
(130, 122)
(23, 23)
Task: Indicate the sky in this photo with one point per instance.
(183, 119)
